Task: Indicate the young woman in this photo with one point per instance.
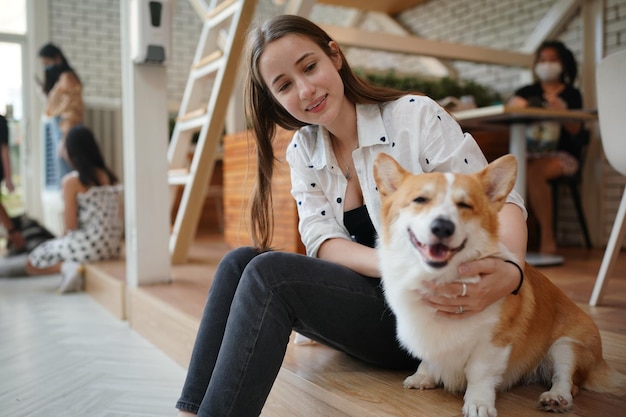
(299, 79)
(64, 102)
(92, 215)
(554, 149)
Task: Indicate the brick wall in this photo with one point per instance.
(88, 32)
(615, 25)
(505, 26)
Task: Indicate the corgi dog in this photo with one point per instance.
(432, 223)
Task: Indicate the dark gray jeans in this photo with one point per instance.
(254, 303)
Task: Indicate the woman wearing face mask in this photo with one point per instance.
(64, 103)
(554, 149)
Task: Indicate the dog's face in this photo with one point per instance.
(442, 219)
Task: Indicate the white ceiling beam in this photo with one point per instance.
(552, 24)
(201, 7)
(391, 25)
(419, 46)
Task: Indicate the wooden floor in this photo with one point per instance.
(329, 383)
(66, 356)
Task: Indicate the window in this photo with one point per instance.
(13, 16)
(11, 80)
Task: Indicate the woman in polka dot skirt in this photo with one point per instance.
(92, 215)
(300, 80)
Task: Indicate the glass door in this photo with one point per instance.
(12, 41)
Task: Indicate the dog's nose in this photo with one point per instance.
(442, 228)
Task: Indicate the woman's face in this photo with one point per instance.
(549, 66)
(549, 55)
(303, 79)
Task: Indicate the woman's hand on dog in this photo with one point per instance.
(497, 279)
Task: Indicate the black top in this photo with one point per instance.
(567, 142)
(360, 226)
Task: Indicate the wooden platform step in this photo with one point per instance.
(105, 282)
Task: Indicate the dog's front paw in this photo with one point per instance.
(419, 381)
(557, 402)
(479, 409)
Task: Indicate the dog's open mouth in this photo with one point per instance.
(436, 255)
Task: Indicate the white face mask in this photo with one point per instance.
(548, 71)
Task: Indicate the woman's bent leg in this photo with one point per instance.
(212, 325)
(281, 291)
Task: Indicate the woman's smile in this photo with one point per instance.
(318, 105)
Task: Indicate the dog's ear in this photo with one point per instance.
(498, 179)
(388, 174)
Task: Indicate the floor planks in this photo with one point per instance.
(328, 383)
(67, 356)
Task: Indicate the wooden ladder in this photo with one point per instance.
(202, 111)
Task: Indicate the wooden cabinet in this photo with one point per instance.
(239, 173)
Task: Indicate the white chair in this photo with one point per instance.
(611, 91)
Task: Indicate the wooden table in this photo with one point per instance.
(517, 119)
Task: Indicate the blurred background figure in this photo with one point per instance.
(93, 217)
(64, 109)
(15, 239)
(553, 149)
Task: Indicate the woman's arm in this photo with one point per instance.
(6, 166)
(71, 186)
(359, 258)
(517, 101)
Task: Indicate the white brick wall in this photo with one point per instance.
(490, 23)
(615, 21)
(88, 32)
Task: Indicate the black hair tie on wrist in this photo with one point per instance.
(521, 276)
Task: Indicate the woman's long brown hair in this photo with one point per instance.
(265, 113)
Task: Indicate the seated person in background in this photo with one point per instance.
(14, 235)
(93, 218)
(554, 149)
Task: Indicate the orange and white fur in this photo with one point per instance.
(431, 223)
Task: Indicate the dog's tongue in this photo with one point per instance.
(438, 252)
